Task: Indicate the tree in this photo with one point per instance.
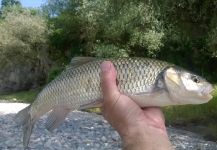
(190, 34)
(23, 37)
(55, 7)
(6, 3)
(85, 27)
(182, 32)
(24, 57)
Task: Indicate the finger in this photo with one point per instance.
(108, 81)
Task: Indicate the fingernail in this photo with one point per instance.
(105, 66)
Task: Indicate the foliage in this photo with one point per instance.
(55, 8)
(109, 50)
(190, 34)
(8, 3)
(23, 36)
(182, 32)
(22, 96)
(81, 27)
(53, 73)
(212, 42)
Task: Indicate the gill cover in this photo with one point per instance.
(172, 77)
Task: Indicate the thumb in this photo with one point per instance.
(108, 82)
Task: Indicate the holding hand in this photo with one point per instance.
(139, 128)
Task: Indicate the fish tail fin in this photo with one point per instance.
(24, 118)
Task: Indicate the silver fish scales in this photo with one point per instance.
(80, 85)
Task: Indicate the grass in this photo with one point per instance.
(22, 96)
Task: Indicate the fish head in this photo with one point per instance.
(185, 87)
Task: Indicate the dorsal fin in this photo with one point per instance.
(77, 61)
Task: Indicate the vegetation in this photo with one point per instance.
(182, 32)
(23, 37)
(22, 96)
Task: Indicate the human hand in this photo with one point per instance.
(139, 128)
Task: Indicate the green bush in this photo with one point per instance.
(53, 73)
(23, 37)
(109, 50)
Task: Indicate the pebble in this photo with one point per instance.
(82, 131)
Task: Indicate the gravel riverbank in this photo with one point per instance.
(81, 131)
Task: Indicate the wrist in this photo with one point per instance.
(146, 138)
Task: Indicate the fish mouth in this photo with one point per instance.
(206, 92)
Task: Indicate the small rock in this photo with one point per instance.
(103, 138)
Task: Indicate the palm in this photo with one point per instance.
(125, 111)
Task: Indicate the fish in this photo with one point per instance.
(148, 82)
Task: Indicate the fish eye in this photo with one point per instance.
(195, 79)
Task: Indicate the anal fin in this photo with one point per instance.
(56, 117)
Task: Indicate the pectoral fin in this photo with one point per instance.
(57, 116)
